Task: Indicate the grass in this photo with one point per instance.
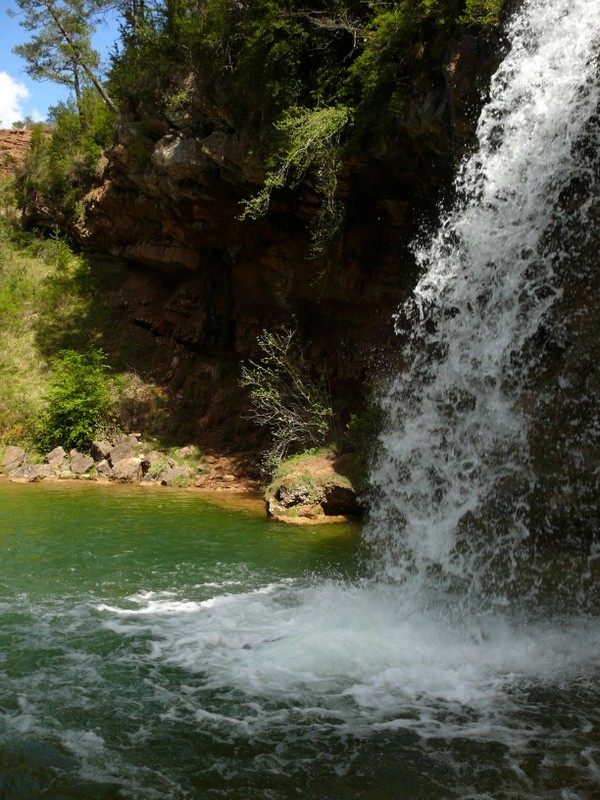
(24, 371)
(52, 299)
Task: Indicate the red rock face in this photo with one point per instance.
(169, 202)
(13, 148)
(213, 282)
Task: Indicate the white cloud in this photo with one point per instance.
(12, 95)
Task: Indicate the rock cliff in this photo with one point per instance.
(13, 147)
(169, 201)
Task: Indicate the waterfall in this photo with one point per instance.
(453, 479)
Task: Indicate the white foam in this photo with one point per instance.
(321, 646)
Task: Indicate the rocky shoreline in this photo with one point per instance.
(312, 491)
(128, 459)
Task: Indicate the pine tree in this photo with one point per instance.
(60, 48)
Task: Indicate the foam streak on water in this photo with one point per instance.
(455, 429)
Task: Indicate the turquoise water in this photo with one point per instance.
(155, 645)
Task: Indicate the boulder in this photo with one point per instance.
(175, 474)
(80, 463)
(13, 457)
(65, 475)
(103, 470)
(311, 489)
(58, 452)
(100, 449)
(127, 470)
(120, 452)
(155, 457)
(25, 474)
(56, 457)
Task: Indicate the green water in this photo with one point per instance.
(156, 645)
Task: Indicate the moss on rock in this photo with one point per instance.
(312, 488)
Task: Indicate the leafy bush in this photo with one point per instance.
(286, 398)
(77, 401)
(63, 160)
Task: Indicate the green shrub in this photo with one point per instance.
(77, 401)
(286, 398)
(310, 142)
(63, 160)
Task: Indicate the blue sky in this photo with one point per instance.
(19, 95)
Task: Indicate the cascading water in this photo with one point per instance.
(152, 653)
(454, 477)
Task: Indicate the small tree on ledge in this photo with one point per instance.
(286, 399)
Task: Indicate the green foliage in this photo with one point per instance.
(378, 74)
(316, 82)
(175, 103)
(483, 12)
(60, 40)
(310, 141)
(285, 398)
(77, 400)
(360, 439)
(61, 165)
